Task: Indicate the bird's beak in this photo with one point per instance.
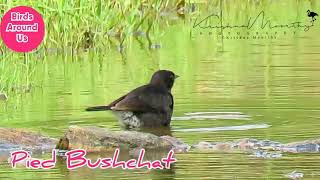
(176, 76)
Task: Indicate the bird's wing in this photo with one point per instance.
(113, 103)
(145, 99)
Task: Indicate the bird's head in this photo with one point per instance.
(308, 11)
(164, 78)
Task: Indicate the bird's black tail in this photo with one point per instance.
(98, 108)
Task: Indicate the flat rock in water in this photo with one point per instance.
(15, 139)
(94, 139)
(177, 145)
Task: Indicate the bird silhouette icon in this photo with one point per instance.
(312, 15)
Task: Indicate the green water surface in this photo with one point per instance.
(253, 88)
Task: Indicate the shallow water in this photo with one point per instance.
(230, 89)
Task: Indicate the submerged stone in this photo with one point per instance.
(26, 139)
(212, 146)
(177, 145)
(203, 145)
(308, 146)
(246, 144)
(17, 139)
(266, 154)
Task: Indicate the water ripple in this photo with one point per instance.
(213, 115)
(226, 128)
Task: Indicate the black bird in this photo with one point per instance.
(312, 15)
(150, 105)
